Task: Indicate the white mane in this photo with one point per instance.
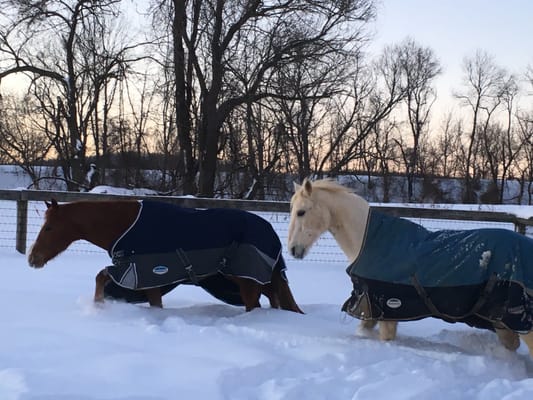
(328, 184)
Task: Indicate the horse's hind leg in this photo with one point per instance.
(528, 340)
(271, 294)
(154, 297)
(387, 330)
(509, 338)
(101, 279)
(281, 292)
(250, 292)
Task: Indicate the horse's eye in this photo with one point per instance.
(300, 213)
(47, 228)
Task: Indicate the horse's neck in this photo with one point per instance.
(102, 223)
(349, 215)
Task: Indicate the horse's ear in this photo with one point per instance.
(308, 187)
(52, 203)
(296, 186)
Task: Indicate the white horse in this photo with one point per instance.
(323, 205)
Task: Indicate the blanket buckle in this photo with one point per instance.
(192, 275)
(187, 265)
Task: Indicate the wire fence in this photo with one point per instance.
(325, 250)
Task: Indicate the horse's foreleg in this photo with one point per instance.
(528, 340)
(154, 297)
(368, 324)
(387, 330)
(101, 279)
(509, 338)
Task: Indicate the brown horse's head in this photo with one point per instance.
(56, 234)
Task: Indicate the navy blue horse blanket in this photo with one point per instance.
(483, 277)
(169, 245)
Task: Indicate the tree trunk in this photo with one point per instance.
(183, 123)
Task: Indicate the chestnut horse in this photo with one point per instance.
(323, 205)
(102, 223)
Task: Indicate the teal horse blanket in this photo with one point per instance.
(483, 277)
(169, 245)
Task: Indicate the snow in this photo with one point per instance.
(485, 259)
(58, 345)
(520, 211)
(106, 189)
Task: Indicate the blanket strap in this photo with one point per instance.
(491, 282)
(485, 294)
(424, 296)
(182, 256)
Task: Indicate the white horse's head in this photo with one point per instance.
(309, 219)
(324, 205)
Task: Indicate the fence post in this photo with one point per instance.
(520, 228)
(22, 225)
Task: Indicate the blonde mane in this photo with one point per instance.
(330, 185)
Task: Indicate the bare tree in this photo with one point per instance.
(376, 92)
(448, 149)
(382, 152)
(525, 132)
(68, 73)
(419, 68)
(20, 143)
(482, 95)
(500, 142)
(211, 39)
(307, 102)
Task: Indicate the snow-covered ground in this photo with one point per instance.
(57, 345)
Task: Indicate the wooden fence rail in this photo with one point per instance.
(22, 197)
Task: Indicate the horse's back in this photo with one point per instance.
(162, 226)
(395, 249)
(168, 244)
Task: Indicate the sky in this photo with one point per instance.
(453, 29)
(457, 28)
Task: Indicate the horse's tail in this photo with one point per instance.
(280, 286)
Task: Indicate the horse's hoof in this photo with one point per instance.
(98, 302)
(509, 339)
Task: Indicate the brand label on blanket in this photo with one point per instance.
(393, 302)
(160, 270)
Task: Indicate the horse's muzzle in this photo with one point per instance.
(298, 251)
(36, 261)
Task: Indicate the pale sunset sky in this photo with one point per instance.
(452, 28)
(457, 28)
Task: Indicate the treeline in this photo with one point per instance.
(225, 97)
